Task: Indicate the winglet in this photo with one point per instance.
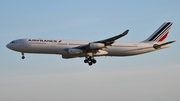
(123, 34)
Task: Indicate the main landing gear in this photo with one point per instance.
(23, 57)
(90, 60)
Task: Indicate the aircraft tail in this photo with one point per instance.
(161, 33)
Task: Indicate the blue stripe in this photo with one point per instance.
(164, 27)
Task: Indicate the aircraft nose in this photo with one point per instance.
(8, 46)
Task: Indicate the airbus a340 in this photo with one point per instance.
(90, 49)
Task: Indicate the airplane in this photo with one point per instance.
(90, 49)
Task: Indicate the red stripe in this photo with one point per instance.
(163, 37)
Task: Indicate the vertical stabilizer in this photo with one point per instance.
(161, 33)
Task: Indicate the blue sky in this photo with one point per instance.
(88, 20)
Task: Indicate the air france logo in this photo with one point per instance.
(60, 41)
(41, 40)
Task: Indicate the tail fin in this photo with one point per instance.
(161, 33)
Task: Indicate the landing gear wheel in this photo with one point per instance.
(23, 57)
(93, 61)
(85, 61)
(90, 60)
(90, 63)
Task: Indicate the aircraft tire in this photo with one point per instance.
(85, 61)
(23, 57)
(93, 61)
(90, 63)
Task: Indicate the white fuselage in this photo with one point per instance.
(91, 49)
(44, 46)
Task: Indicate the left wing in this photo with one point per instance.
(102, 43)
(111, 40)
(93, 48)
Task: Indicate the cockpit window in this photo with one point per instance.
(13, 42)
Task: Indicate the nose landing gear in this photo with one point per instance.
(90, 60)
(23, 57)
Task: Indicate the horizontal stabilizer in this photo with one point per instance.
(156, 46)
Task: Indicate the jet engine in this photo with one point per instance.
(96, 45)
(74, 51)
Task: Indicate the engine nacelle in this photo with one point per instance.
(96, 45)
(74, 51)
